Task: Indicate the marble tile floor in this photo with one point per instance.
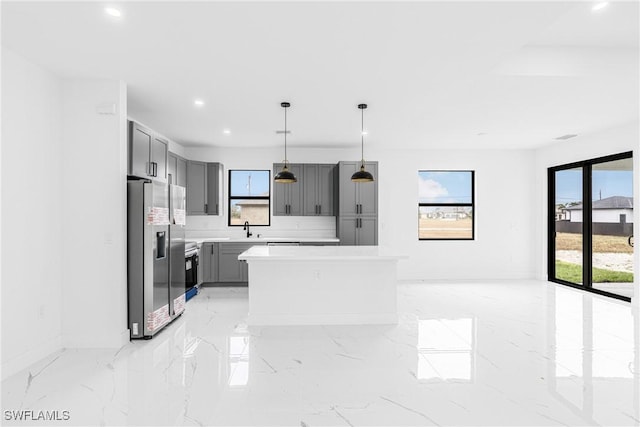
(510, 353)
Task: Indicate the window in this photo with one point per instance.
(445, 205)
(249, 199)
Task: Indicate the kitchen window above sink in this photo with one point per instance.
(249, 197)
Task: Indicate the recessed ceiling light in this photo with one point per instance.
(227, 131)
(198, 102)
(112, 11)
(600, 6)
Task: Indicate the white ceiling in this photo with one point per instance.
(435, 74)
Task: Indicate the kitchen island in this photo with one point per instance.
(321, 285)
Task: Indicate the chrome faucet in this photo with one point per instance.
(246, 227)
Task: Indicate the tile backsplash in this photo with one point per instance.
(281, 226)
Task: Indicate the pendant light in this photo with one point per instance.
(285, 176)
(362, 175)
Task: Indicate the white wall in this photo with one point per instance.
(63, 214)
(504, 184)
(612, 141)
(94, 214)
(32, 217)
(503, 215)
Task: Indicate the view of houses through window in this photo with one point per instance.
(249, 200)
(445, 205)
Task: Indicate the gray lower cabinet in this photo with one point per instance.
(177, 170)
(318, 183)
(148, 153)
(208, 262)
(204, 188)
(358, 231)
(230, 270)
(287, 198)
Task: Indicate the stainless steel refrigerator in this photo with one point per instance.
(177, 260)
(152, 301)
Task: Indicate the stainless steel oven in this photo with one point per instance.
(192, 261)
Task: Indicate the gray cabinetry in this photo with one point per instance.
(318, 184)
(357, 221)
(148, 153)
(230, 269)
(208, 262)
(159, 153)
(196, 188)
(357, 198)
(287, 198)
(204, 188)
(177, 170)
(214, 188)
(139, 146)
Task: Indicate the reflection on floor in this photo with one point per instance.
(508, 353)
(624, 289)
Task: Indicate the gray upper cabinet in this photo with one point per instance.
(357, 198)
(287, 198)
(318, 182)
(182, 172)
(204, 188)
(148, 153)
(140, 150)
(214, 188)
(159, 157)
(177, 170)
(196, 188)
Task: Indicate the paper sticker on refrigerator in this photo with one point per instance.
(159, 318)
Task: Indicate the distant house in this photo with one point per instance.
(615, 209)
(447, 213)
(254, 211)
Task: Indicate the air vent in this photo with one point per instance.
(567, 136)
(281, 132)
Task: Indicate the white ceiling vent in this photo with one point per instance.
(567, 136)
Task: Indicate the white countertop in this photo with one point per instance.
(319, 253)
(262, 239)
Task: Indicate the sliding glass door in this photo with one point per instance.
(591, 225)
(568, 226)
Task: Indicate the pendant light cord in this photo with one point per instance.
(362, 136)
(285, 136)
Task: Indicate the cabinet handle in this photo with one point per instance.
(211, 249)
(319, 209)
(206, 208)
(155, 169)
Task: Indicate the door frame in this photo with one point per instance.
(587, 228)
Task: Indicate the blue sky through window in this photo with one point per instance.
(249, 183)
(604, 184)
(444, 187)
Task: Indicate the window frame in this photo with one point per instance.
(230, 198)
(471, 205)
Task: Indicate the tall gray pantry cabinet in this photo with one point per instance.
(357, 220)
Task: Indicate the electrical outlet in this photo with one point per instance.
(41, 312)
